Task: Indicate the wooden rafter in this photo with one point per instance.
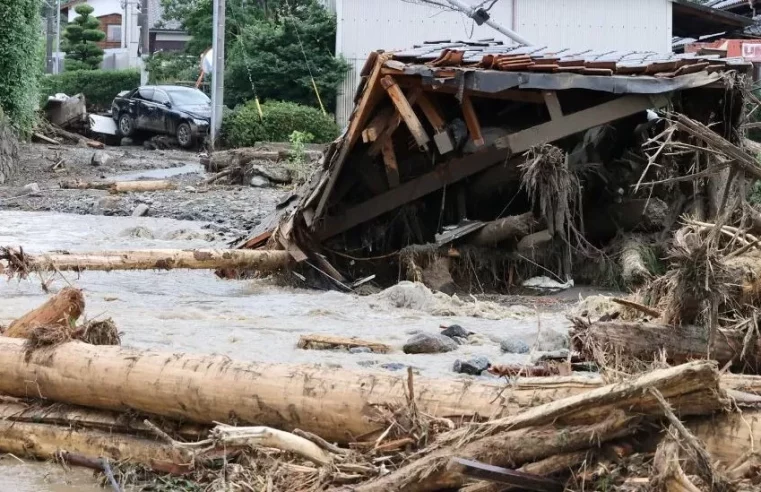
(393, 124)
(471, 119)
(404, 108)
(553, 105)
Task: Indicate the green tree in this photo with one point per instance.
(80, 41)
(20, 39)
(264, 41)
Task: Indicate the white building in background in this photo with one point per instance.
(602, 25)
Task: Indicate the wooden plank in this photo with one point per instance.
(404, 108)
(444, 174)
(431, 112)
(495, 474)
(370, 98)
(471, 119)
(376, 126)
(393, 124)
(580, 121)
(389, 160)
(553, 105)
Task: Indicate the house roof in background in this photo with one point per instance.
(694, 20)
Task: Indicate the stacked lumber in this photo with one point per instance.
(175, 414)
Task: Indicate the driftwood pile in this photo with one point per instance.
(266, 164)
(139, 416)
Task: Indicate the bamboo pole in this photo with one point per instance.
(199, 259)
(336, 405)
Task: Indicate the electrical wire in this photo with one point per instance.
(306, 60)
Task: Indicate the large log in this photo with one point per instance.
(497, 231)
(140, 186)
(730, 438)
(648, 341)
(167, 259)
(45, 441)
(60, 310)
(336, 405)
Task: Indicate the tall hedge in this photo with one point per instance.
(99, 86)
(20, 36)
(244, 128)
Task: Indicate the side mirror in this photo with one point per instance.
(168, 105)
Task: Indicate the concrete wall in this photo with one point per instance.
(602, 25)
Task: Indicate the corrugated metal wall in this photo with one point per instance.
(368, 25)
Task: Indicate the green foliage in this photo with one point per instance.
(80, 41)
(171, 68)
(20, 38)
(99, 86)
(264, 46)
(297, 162)
(244, 128)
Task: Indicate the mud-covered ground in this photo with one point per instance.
(227, 211)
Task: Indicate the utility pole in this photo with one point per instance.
(218, 70)
(481, 16)
(144, 40)
(49, 37)
(57, 60)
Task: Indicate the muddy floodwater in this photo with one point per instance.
(255, 320)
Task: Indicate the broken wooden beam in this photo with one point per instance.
(404, 108)
(392, 124)
(390, 163)
(433, 114)
(553, 104)
(499, 230)
(266, 261)
(580, 121)
(471, 120)
(329, 342)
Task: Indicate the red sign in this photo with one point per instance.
(752, 52)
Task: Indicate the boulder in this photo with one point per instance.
(429, 343)
(141, 210)
(474, 366)
(260, 182)
(360, 350)
(456, 331)
(551, 341)
(101, 158)
(32, 189)
(514, 347)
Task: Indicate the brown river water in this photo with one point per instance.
(193, 311)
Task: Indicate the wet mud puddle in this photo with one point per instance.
(194, 311)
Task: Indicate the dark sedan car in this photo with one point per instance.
(167, 109)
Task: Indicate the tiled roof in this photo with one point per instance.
(604, 62)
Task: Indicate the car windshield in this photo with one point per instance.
(188, 97)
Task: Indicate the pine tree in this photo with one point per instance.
(80, 41)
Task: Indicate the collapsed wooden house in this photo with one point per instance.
(487, 161)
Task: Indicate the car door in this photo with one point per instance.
(160, 118)
(145, 108)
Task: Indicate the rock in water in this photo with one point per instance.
(456, 331)
(550, 341)
(140, 210)
(101, 159)
(514, 347)
(260, 182)
(393, 366)
(360, 350)
(428, 343)
(474, 366)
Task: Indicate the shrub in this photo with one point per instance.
(244, 128)
(81, 39)
(99, 86)
(171, 68)
(20, 38)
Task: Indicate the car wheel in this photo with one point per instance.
(184, 135)
(126, 125)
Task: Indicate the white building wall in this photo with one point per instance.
(604, 25)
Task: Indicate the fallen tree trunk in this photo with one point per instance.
(266, 261)
(140, 186)
(60, 132)
(497, 231)
(60, 310)
(76, 184)
(37, 412)
(647, 341)
(633, 269)
(45, 441)
(240, 157)
(328, 342)
(571, 424)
